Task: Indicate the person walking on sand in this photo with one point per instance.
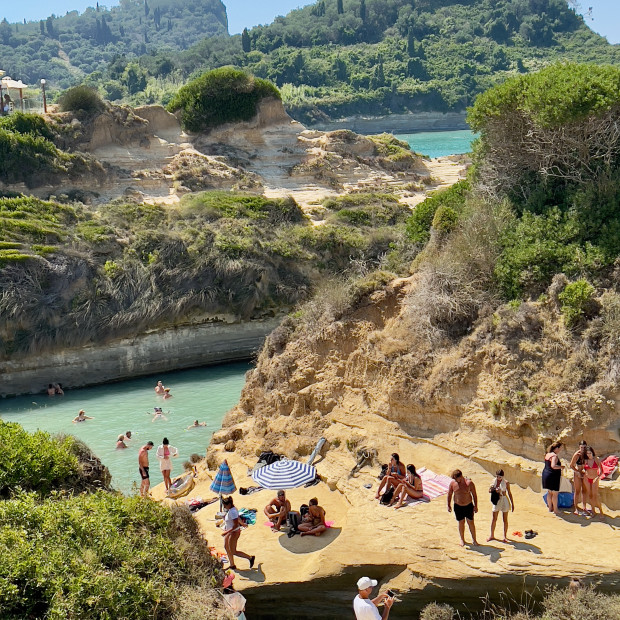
(501, 498)
(164, 453)
(277, 510)
(465, 504)
(232, 531)
(551, 476)
(364, 607)
(143, 465)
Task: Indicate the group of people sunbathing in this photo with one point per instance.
(309, 520)
(404, 482)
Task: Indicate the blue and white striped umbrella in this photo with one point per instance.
(223, 483)
(284, 474)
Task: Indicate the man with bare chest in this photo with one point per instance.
(465, 504)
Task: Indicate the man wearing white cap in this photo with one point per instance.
(364, 607)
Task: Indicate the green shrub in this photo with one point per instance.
(30, 219)
(445, 220)
(220, 96)
(357, 199)
(31, 124)
(81, 99)
(436, 611)
(420, 222)
(34, 461)
(98, 556)
(576, 298)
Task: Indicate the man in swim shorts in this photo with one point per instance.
(465, 504)
(143, 464)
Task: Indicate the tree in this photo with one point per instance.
(363, 10)
(339, 7)
(410, 44)
(245, 41)
(42, 27)
(50, 27)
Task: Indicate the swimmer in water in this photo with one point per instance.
(120, 442)
(159, 388)
(128, 436)
(158, 415)
(51, 390)
(196, 424)
(167, 393)
(81, 417)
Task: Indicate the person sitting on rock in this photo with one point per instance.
(393, 477)
(277, 510)
(314, 520)
(411, 486)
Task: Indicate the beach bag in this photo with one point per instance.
(495, 497)
(386, 498)
(293, 520)
(268, 457)
(384, 469)
(303, 509)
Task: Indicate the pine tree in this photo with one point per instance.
(246, 44)
(50, 27)
(363, 10)
(340, 7)
(146, 8)
(410, 44)
(42, 27)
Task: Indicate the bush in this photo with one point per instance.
(98, 556)
(81, 99)
(224, 95)
(576, 299)
(420, 222)
(34, 461)
(31, 124)
(435, 611)
(445, 220)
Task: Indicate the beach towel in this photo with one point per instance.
(248, 515)
(608, 466)
(434, 485)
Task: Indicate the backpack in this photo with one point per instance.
(386, 498)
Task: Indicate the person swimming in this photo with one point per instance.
(159, 388)
(81, 417)
(120, 442)
(196, 424)
(167, 393)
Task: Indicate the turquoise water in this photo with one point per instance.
(203, 393)
(439, 143)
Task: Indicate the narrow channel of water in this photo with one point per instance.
(439, 143)
(205, 394)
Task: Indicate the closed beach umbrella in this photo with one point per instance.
(284, 474)
(223, 483)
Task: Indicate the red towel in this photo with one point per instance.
(608, 466)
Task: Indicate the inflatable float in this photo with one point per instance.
(181, 486)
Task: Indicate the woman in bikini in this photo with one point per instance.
(394, 476)
(592, 470)
(411, 486)
(576, 464)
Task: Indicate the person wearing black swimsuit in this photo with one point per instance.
(551, 476)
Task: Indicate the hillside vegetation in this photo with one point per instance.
(334, 58)
(331, 59)
(65, 49)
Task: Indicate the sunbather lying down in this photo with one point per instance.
(277, 510)
(313, 523)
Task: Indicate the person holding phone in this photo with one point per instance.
(364, 607)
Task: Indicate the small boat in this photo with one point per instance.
(181, 486)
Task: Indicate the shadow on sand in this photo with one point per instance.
(309, 544)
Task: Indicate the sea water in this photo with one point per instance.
(205, 394)
(439, 143)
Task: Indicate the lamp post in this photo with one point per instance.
(44, 99)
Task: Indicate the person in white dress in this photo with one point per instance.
(165, 453)
(500, 491)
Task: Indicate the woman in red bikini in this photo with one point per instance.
(593, 471)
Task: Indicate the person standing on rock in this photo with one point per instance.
(552, 476)
(465, 504)
(164, 453)
(143, 464)
(501, 498)
(364, 607)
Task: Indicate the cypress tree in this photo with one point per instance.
(340, 7)
(363, 10)
(246, 44)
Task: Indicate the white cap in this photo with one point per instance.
(366, 582)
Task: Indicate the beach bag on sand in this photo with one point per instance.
(268, 457)
(386, 498)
